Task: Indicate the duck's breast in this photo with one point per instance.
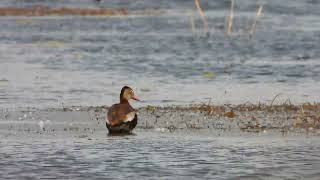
(119, 113)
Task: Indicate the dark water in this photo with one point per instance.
(46, 61)
(152, 155)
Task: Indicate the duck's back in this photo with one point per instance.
(119, 113)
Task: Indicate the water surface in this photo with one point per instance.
(54, 61)
(47, 61)
(154, 155)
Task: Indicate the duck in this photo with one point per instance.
(122, 117)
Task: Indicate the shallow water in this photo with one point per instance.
(152, 155)
(47, 61)
(75, 145)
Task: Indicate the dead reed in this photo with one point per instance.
(258, 15)
(203, 17)
(229, 21)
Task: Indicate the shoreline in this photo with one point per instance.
(251, 118)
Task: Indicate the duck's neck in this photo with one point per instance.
(123, 101)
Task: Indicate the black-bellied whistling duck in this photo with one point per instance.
(122, 117)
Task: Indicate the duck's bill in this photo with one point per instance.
(136, 98)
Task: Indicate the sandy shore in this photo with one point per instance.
(254, 118)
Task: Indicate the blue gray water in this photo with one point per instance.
(55, 61)
(47, 61)
(45, 144)
(152, 155)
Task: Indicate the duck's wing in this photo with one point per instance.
(119, 113)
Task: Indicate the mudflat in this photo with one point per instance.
(258, 118)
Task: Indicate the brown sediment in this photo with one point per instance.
(62, 11)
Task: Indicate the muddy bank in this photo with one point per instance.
(64, 11)
(252, 118)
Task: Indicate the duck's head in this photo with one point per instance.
(127, 94)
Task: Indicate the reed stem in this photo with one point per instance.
(254, 25)
(230, 19)
(203, 17)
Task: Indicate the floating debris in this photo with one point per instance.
(209, 75)
(79, 55)
(230, 114)
(163, 130)
(53, 43)
(24, 21)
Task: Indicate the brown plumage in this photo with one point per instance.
(122, 117)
